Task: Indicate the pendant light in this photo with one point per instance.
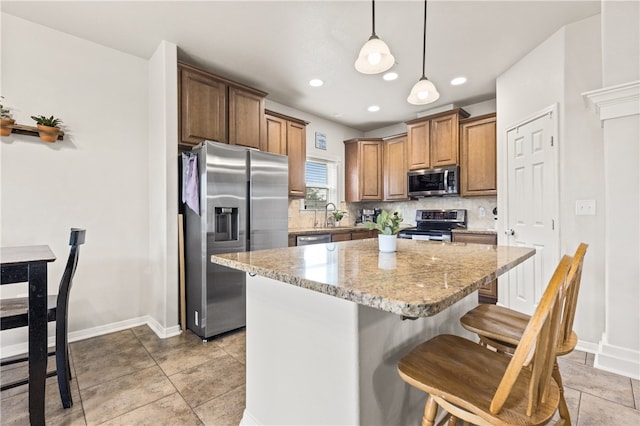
(423, 92)
(375, 56)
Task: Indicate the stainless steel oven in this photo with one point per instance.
(435, 225)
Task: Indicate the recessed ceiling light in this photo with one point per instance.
(373, 108)
(316, 82)
(458, 81)
(390, 76)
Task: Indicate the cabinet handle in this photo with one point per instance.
(510, 232)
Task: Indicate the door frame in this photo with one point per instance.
(503, 191)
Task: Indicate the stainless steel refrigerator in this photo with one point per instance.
(243, 206)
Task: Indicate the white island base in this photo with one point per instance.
(315, 359)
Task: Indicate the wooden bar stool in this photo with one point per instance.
(502, 328)
(484, 387)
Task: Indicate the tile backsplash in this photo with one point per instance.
(479, 210)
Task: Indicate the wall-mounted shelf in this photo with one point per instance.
(30, 131)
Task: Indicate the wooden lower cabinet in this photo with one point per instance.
(361, 235)
(356, 234)
(346, 236)
(489, 293)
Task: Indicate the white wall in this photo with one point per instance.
(558, 71)
(97, 178)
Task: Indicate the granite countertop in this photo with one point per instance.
(420, 279)
(474, 231)
(327, 230)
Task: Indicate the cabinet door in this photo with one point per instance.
(444, 140)
(361, 235)
(203, 108)
(488, 293)
(418, 151)
(370, 165)
(340, 237)
(276, 140)
(297, 153)
(246, 118)
(395, 168)
(478, 157)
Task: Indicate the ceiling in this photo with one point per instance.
(278, 46)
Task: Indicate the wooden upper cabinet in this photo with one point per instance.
(395, 168)
(433, 140)
(276, 139)
(246, 118)
(288, 136)
(444, 140)
(418, 155)
(478, 163)
(203, 108)
(215, 108)
(363, 170)
(297, 153)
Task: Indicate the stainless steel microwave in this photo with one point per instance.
(434, 182)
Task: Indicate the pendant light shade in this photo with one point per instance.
(424, 91)
(375, 56)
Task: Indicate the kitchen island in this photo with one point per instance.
(327, 323)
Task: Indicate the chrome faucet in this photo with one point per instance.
(326, 214)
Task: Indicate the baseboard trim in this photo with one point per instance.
(248, 419)
(162, 332)
(617, 359)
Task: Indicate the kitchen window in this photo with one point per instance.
(321, 177)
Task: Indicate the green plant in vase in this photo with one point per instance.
(386, 223)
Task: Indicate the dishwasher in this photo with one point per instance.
(305, 240)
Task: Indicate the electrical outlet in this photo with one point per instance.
(585, 207)
(481, 212)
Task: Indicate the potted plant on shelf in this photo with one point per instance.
(48, 127)
(337, 216)
(6, 120)
(388, 224)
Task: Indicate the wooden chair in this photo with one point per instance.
(484, 387)
(13, 314)
(502, 328)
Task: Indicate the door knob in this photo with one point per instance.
(510, 232)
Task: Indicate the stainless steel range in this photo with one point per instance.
(435, 225)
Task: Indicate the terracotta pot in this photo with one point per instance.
(48, 134)
(5, 126)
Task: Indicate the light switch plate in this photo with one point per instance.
(585, 207)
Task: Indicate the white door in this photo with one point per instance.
(532, 205)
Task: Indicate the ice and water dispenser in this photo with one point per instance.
(226, 224)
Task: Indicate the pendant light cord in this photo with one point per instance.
(424, 40)
(373, 17)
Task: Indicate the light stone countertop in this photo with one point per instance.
(326, 230)
(420, 279)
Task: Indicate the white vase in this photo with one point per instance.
(387, 243)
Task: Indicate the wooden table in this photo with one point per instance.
(29, 264)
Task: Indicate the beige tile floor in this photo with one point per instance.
(133, 378)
